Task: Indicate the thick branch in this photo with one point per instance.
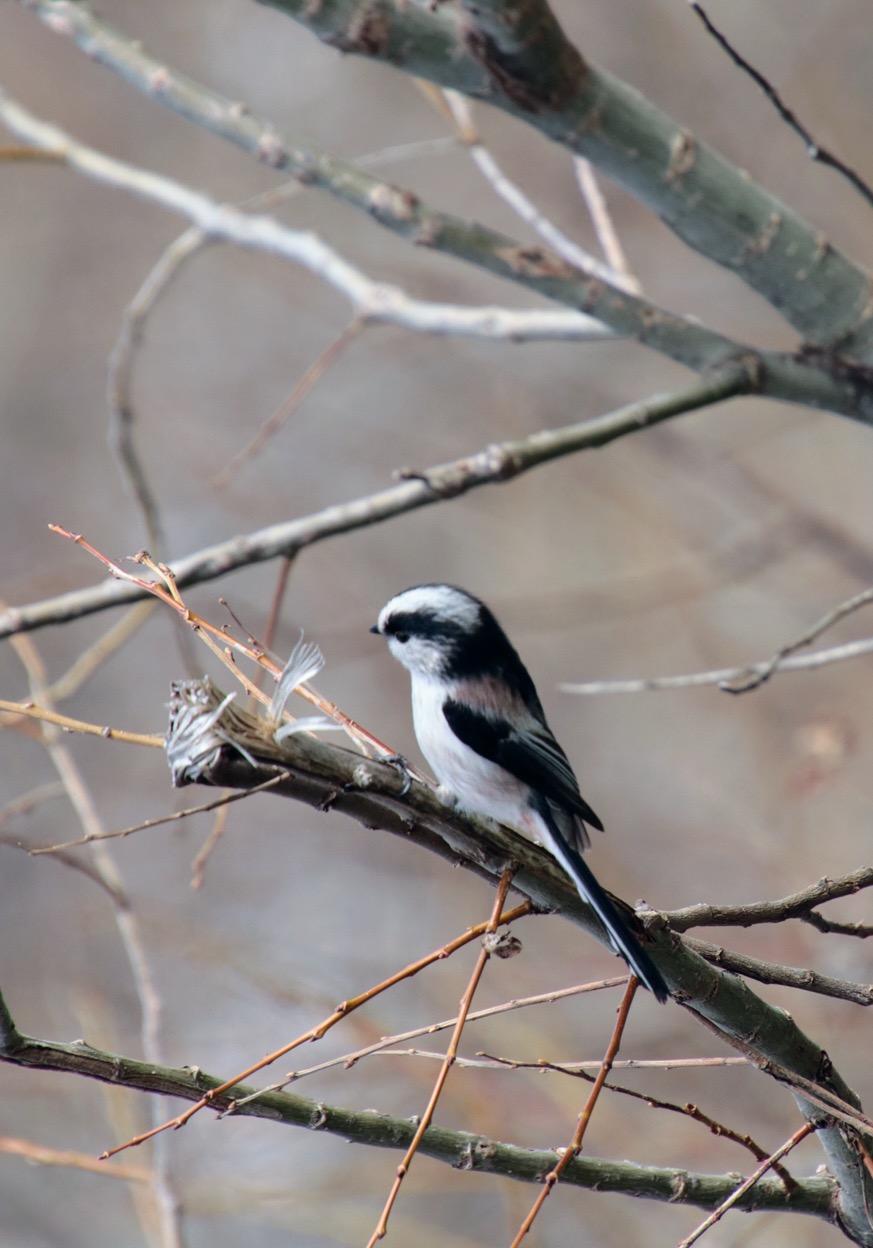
(709, 203)
(460, 1149)
(805, 269)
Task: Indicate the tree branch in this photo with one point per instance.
(708, 203)
(459, 1149)
(493, 465)
(795, 906)
(712, 205)
(236, 749)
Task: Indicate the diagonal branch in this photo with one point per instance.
(493, 465)
(710, 204)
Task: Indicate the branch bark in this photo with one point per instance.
(712, 205)
(706, 201)
(460, 1149)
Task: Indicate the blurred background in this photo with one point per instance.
(710, 541)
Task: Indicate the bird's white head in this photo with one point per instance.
(427, 626)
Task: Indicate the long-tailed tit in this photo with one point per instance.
(482, 728)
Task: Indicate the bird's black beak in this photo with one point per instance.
(375, 629)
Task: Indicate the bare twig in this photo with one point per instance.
(708, 203)
(226, 799)
(758, 675)
(11, 711)
(585, 1117)
(582, 1070)
(521, 204)
(347, 1060)
(38, 1154)
(601, 218)
(775, 973)
(321, 1029)
(222, 644)
(724, 675)
(800, 1134)
(371, 301)
(813, 149)
(460, 1149)
(286, 409)
(831, 927)
(451, 1053)
(120, 398)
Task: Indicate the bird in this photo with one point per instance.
(481, 726)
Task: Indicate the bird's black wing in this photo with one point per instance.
(531, 755)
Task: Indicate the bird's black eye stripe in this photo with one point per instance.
(425, 624)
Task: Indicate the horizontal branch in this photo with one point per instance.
(493, 465)
(795, 906)
(724, 677)
(460, 1149)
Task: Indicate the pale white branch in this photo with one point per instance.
(371, 300)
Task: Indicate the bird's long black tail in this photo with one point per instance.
(622, 938)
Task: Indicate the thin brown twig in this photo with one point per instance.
(279, 592)
(575, 1147)
(38, 1154)
(347, 1060)
(768, 1164)
(201, 858)
(204, 853)
(218, 639)
(11, 711)
(288, 406)
(448, 1061)
(224, 800)
(576, 1070)
(321, 1029)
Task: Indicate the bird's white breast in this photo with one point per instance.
(478, 784)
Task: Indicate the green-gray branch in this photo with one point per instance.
(459, 1149)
